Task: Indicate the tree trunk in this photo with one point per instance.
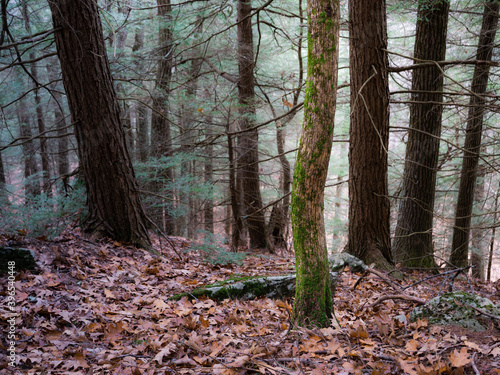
(237, 227)
(461, 230)
(32, 183)
(369, 211)
(141, 111)
(413, 237)
(46, 188)
(313, 298)
(62, 138)
(249, 140)
(161, 139)
(208, 207)
(478, 233)
(113, 201)
(492, 240)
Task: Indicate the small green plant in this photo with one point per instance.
(213, 251)
(42, 215)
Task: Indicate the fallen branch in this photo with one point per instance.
(398, 296)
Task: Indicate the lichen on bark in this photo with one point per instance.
(313, 299)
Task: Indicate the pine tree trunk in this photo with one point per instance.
(208, 207)
(248, 141)
(313, 299)
(461, 230)
(369, 210)
(413, 237)
(161, 139)
(113, 201)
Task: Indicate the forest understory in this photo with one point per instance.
(104, 308)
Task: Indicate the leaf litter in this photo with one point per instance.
(104, 308)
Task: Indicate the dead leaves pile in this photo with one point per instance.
(104, 309)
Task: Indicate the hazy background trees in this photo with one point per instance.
(176, 69)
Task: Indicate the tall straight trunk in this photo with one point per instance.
(492, 240)
(208, 207)
(32, 183)
(46, 188)
(161, 139)
(248, 141)
(113, 200)
(141, 111)
(60, 120)
(313, 298)
(478, 234)
(413, 237)
(369, 210)
(461, 230)
(237, 227)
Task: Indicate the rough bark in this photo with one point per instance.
(161, 139)
(248, 141)
(313, 303)
(369, 211)
(237, 227)
(113, 201)
(461, 230)
(208, 207)
(413, 237)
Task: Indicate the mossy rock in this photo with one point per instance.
(455, 308)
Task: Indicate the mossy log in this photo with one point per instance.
(23, 259)
(276, 287)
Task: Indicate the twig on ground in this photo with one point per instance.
(398, 296)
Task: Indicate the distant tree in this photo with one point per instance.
(369, 230)
(313, 298)
(113, 201)
(413, 236)
(161, 138)
(248, 140)
(472, 147)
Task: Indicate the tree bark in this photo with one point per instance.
(62, 138)
(32, 183)
(472, 147)
(161, 139)
(413, 245)
(369, 211)
(46, 188)
(248, 141)
(113, 201)
(313, 299)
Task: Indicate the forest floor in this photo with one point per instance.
(104, 308)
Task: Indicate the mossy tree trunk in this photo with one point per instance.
(369, 210)
(413, 245)
(114, 204)
(313, 300)
(472, 146)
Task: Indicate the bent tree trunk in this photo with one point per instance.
(413, 236)
(473, 134)
(313, 302)
(114, 204)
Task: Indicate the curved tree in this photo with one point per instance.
(313, 299)
(113, 201)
